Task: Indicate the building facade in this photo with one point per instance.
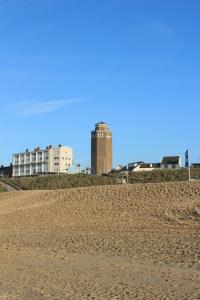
(6, 171)
(101, 149)
(171, 162)
(51, 160)
(167, 162)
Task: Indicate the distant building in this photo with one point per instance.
(167, 162)
(134, 165)
(195, 165)
(120, 169)
(6, 171)
(74, 169)
(171, 162)
(51, 160)
(142, 166)
(147, 167)
(77, 169)
(101, 149)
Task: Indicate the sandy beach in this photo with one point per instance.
(111, 242)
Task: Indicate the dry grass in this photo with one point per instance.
(1, 189)
(164, 175)
(113, 242)
(60, 181)
(74, 181)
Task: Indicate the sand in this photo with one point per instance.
(111, 242)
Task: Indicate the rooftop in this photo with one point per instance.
(101, 126)
(171, 160)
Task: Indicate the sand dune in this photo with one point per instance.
(111, 242)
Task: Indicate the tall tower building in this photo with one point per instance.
(101, 149)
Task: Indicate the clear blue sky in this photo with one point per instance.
(67, 64)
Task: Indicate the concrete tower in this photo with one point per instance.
(101, 149)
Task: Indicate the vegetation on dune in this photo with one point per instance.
(61, 181)
(1, 189)
(81, 180)
(164, 175)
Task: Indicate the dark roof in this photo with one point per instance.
(136, 162)
(145, 166)
(170, 160)
(4, 168)
(101, 123)
(6, 171)
(150, 165)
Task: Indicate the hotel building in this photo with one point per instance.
(51, 160)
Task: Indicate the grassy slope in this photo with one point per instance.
(70, 181)
(164, 175)
(1, 189)
(61, 182)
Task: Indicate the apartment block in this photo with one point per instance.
(51, 160)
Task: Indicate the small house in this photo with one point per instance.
(171, 162)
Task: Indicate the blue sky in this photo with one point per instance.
(67, 64)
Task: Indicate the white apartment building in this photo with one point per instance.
(50, 160)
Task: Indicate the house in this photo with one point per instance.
(195, 165)
(6, 171)
(134, 165)
(171, 162)
(146, 167)
(167, 162)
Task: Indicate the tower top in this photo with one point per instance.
(101, 125)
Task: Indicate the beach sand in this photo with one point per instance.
(137, 241)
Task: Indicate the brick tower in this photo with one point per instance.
(101, 149)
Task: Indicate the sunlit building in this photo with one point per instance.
(49, 161)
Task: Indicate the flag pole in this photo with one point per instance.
(189, 172)
(187, 164)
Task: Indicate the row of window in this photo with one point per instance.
(57, 164)
(22, 161)
(100, 135)
(31, 157)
